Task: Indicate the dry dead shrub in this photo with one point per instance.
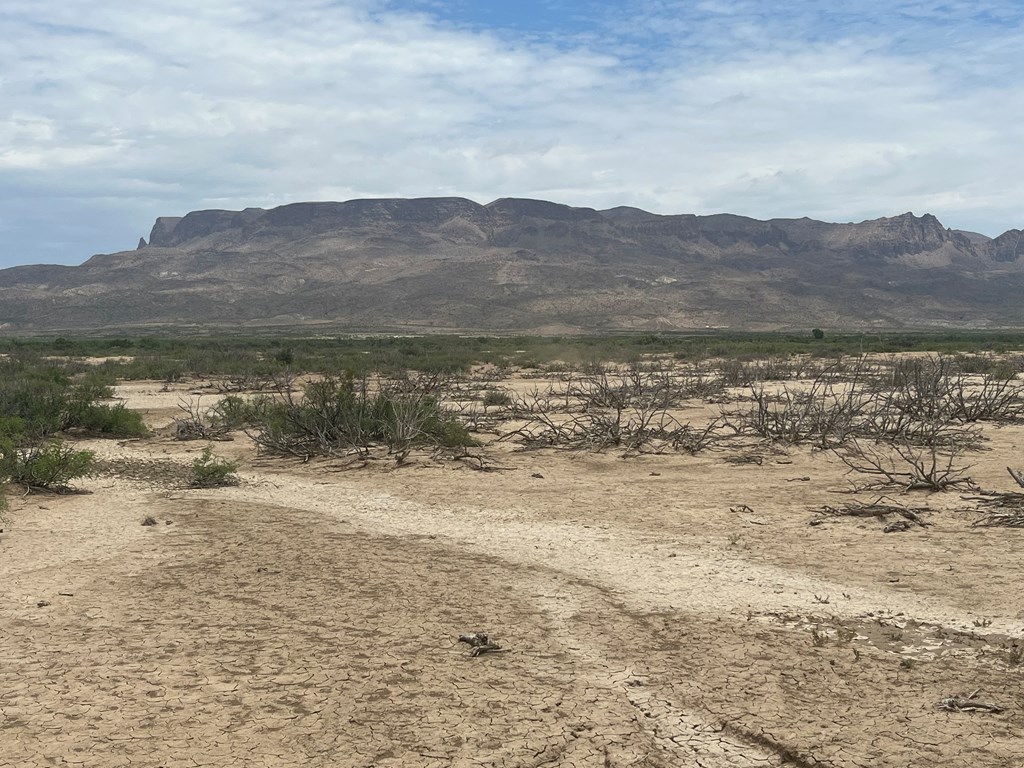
(912, 468)
(937, 388)
(825, 414)
(606, 409)
(917, 403)
(198, 423)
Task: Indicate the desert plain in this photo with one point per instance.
(664, 608)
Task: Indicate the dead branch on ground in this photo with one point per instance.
(481, 644)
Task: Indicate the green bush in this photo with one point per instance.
(42, 401)
(36, 399)
(47, 466)
(236, 412)
(108, 421)
(452, 433)
(343, 415)
(209, 471)
(497, 397)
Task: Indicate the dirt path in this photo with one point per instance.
(647, 569)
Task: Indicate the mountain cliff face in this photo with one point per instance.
(532, 265)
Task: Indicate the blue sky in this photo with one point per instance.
(114, 112)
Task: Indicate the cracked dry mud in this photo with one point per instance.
(310, 617)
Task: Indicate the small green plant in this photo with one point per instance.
(907, 664)
(209, 471)
(818, 334)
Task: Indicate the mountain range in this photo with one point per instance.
(450, 264)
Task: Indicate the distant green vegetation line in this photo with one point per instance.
(170, 359)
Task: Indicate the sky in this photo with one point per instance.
(114, 112)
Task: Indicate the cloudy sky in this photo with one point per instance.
(113, 112)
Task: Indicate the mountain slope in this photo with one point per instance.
(450, 263)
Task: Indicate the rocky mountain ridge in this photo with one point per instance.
(530, 265)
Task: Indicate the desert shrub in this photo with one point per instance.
(236, 412)
(938, 389)
(36, 398)
(743, 373)
(108, 421)
(823, 416)
(49, 465)
(349, 416)
(923, 403)
(699, 382)
(604, 409)
(736, 373)
(976, 364)
(825, 413)
(95, 384)
(12, 429)
(497, 397)
(44, 401)
(209, 471)
(993, 399)
(897, 464)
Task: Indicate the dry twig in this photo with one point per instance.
(967, 703)
(481, 644)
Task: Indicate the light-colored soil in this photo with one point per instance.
(310, 615)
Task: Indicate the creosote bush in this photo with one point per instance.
(49, 466)
(209, 471)
(46, 401)
(346, 416)
(497, 397)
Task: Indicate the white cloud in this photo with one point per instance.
(135, 109)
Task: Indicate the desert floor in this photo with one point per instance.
(309, 616)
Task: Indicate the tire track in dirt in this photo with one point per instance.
(752, 694)
(649, 572)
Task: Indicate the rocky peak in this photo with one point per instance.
(1008, 247)
(163, 229)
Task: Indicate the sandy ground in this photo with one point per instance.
(309, 616)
